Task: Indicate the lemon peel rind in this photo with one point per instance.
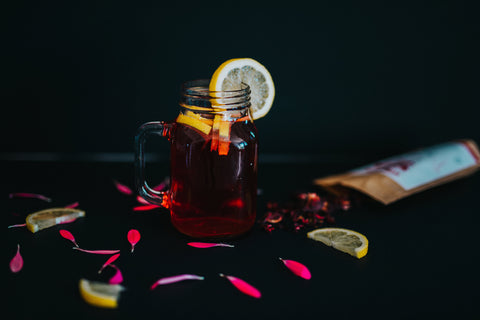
(99, 300)
(359, 252)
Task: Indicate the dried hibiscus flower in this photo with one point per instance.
(307, 210)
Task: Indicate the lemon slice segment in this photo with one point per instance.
(50, 217)
(348, 241)
(230, 74)
(195, 121)
(100, 294)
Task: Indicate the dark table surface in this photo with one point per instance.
(422, 258)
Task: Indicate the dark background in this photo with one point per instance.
(352, 77)
(355, 81)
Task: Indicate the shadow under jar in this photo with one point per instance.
(213, 161)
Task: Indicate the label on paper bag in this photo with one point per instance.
(420, 167)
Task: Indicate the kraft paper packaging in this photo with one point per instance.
(397, 177)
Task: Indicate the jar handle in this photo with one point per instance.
(164, 129)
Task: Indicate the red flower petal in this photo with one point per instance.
(243, 286)
(117, 277)
(162, 185)
(208, 245)
(29, 195)
(142, 201)
(72, 205)
(109, 261)
(122, 188)
(297, 268)
(16, 264)
(174, 279)
(17, 225)
(97, 251)
(146, 208)
(133, 237)
(69, 236)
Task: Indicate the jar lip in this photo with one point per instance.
(195, 95)
(199, 87)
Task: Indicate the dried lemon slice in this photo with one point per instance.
(348, 241)
(100, 294)
(50, 217)
(230, 74)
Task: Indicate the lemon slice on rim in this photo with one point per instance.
(100, 294)
(50, 217)
(230, 74)
(348, 241)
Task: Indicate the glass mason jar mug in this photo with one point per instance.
(213, 162)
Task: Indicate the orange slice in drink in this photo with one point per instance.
(221, 135)
(224, 137)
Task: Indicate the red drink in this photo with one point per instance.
(213, 195)
(213, 163)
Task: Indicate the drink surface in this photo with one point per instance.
(213, 195)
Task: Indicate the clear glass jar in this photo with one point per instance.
(213, 160)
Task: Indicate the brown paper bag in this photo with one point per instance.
(397, 177)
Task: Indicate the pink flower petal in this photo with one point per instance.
(181, 277)
(122, 188)
(133, 237)
(142, 201)
(72, 205)
(17, 225)
(162, 185)
(110, 260)
(297, 268)
(117, 277)
(146, 207)
(69, 236)
(97, 251)
(29, 195)
(209, 245)
(68, 221)
(243, 286)
(16, 264)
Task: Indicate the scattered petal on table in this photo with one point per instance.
(123, 188)
(69, 236)
(17, 225)
(146, 207)
(162, 185)
(142, 201)
(16, 264)
(72, 205)
(133, 237)
(97, 251)
(173, 279)
(117, 277)
(297, 268)
(243, 286)
(209, 245)
(109, 261)
(29, 195)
